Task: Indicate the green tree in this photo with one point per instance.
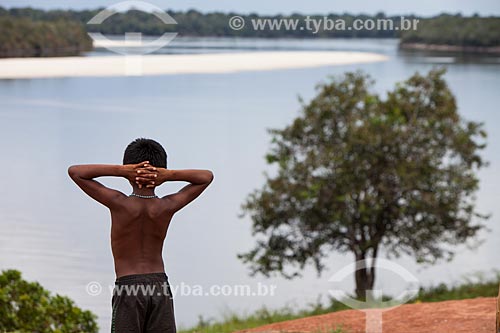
(28, 307)
(356, 174)
(23, 37)
(456, 31)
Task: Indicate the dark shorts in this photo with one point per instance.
(143, 303)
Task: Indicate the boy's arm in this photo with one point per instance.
(199, 179)
(83, 176)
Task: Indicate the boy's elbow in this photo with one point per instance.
(210, 176)
(73, 171)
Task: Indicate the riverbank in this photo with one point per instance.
(450, 48)
(463, 316)
(102, 66)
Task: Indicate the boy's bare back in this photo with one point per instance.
(139, 223)
(138, 229)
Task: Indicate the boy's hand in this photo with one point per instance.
(143, 174)
(151, 176)
(163, 176)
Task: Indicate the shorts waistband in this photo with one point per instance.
(142, 278)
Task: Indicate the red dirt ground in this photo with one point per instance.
(464, 316)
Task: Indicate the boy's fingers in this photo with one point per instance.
(143, 179)
(148, 175)
(142, 164)
(147, 171)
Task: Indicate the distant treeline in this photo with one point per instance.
(457, 32)
(65, 29)
(24, 37)
(195, 23)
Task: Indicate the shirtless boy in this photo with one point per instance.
(139, 226)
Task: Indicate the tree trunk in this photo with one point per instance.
(365, 276)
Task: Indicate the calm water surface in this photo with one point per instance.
(56, 235)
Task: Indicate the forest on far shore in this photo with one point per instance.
(28, 32)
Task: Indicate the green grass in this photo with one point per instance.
(233, 322)
(476, 286)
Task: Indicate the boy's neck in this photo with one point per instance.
(143, 191)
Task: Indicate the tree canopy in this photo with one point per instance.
(28, 307)
(357, 173)
(23, 37)
(456, 30)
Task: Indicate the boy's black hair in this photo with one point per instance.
(141, 150)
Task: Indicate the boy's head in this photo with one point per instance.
(141, 150)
